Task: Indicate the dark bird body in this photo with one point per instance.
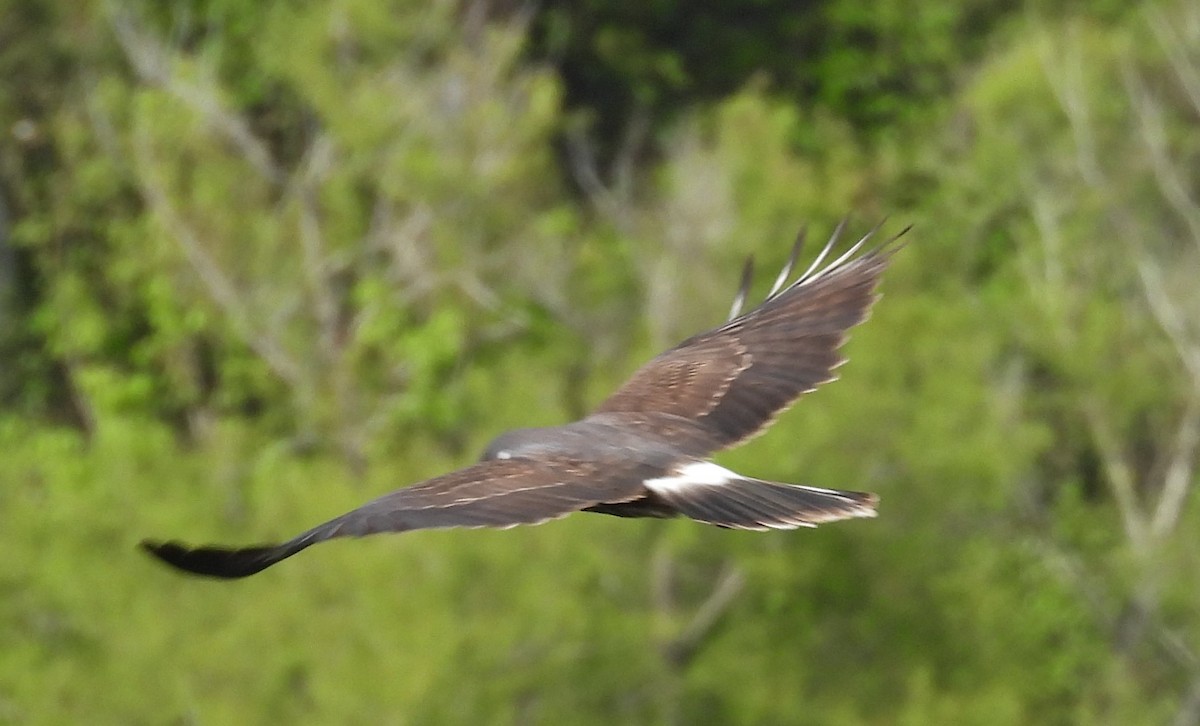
(645, 451)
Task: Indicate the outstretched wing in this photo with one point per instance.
(497, 493)
(734, 380)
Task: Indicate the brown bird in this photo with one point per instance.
(645, 451)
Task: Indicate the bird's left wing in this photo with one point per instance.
(498, 493)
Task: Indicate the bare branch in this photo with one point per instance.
(1180, 473)
(585, 170)
(683, 648)
(1065, 76)
(662, 574)
(1169, 318)
(152, 63)
(1120, 476)
(1052, 276)
(1189, 710)
(411, 261)
(614, 201)
(1174, 45)
(1174, 189)
(625, 162)
(317, 161)
(469, 282)
(219, 286)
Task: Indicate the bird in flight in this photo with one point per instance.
(645, 451)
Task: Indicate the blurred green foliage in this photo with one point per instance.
(261, 262)
(874, 65)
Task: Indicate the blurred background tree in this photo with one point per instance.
(260, 262)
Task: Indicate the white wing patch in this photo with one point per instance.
(693, 474)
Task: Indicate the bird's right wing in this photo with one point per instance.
(734, 380)
(497, 493)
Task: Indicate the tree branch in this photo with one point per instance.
(683, 648)
(151, 62)
(1169, 318)
(220, 288)
(1153, 132)
(1181, 472)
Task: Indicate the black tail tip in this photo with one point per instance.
(216, 562)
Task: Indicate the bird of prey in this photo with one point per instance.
(645, 451)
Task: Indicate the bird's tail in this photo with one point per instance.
(745, 503)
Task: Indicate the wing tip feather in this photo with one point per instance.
(212, 561)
